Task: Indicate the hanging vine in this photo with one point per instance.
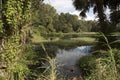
(14, 26)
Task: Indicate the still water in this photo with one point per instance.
(68, 58)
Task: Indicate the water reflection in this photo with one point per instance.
(68, 58)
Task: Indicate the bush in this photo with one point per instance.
(86, 64)
(117, 58)
(101, 67)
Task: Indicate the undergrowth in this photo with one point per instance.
(103, 66)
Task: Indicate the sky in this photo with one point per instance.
(66, 6)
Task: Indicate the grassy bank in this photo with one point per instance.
(102, 67)
(66, 40)
(102, 64)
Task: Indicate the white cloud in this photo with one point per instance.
(90, 17)
(61, 5)
(107, 12)
(75, 13)
(66, 6)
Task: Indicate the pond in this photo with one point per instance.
(68, 58)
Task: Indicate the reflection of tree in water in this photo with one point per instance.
(50, 50)
(69, 71)
(68, 59)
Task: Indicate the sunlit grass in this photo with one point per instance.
(87, 39)
(66, 39)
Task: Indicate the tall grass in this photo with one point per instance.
(50, 66)
(52, 69)
(50, 72)
(104, 65)
(112, 59)
(106, 68)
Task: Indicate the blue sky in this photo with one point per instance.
(66, 6)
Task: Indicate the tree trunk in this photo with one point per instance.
(101, 16)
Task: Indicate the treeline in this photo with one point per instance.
(47, 19)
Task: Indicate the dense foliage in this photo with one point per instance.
(14, 24)
(20, 60)
(47, 18)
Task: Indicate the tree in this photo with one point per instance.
(114, 6)
(67, 28)
(99, 7)
(46, 16)
(67, 19)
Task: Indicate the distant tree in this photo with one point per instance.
(67, 28)
(46, 16)
(67, 19)
(50, 28)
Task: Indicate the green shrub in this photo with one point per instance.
(86, 64)
(117, 58)
(101, 67)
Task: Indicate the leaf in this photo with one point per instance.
(83, 14)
